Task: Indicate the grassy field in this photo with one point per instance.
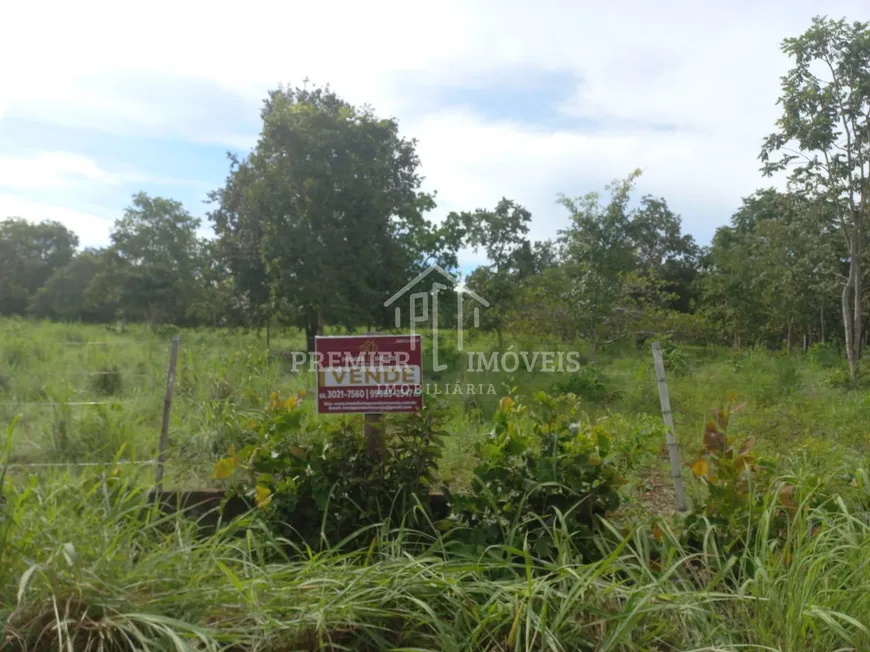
(84, 393)
(85, 563)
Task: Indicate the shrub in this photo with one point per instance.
(589, 383)
(636, 439)
(838, 378)
(321, 492)
(741, 487)
(675, 359)
(824, 354)
(540, 470)
(788, 377)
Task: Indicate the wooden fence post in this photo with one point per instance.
(374, 435)
(373, 431)
(167, 409)
(673, 453)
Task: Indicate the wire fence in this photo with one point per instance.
(683, 417)
(49, 465)
(73, 376)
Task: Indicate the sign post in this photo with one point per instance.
(370, 375)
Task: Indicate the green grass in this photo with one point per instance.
(87, 564)
(47, 370)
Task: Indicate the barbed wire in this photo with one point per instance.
(111, 342)
(40, 465)
(78, 374)
(74, 403)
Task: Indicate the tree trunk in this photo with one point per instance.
(268, 336)
(852, 302)
(822, 321)
(789, 335)
(313, 328)
(500, 339)
(310, 335)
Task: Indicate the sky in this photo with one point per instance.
(99, 100)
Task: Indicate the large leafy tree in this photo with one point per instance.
(823, 140)
(29, 255)
(323, 221)
(240, 237)
(156, 255)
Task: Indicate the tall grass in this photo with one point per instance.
(88, 564)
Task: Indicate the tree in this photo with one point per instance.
(666, 258)
(598, 252)
(326, 212)
(502, 234)
(70, 295)
(216, 301)
(543, 307)
(29, 255)
(238, 245)
(774, 268)
(156, 254)
(727, 295)
(824, 136)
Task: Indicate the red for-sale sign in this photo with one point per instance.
(369, 374)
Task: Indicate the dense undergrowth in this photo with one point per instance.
(87, 565)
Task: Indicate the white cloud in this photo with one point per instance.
(49, 170)
(91, 229)
(708, 71)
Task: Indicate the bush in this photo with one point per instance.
(538, 468)
(838, 378)
(589, 383)
(322, 492)
(636, 439)
(741, 489)
(676, 361)
(824, 355)
(540, 471)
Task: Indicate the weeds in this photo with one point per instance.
(87, 562)
(104, 570)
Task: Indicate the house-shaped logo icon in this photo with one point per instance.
(423, 316)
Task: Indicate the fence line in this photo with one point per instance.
(40, 465)
(108, 342)
(73, 403)
(59, 374)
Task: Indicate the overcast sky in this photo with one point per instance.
(517, 99)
